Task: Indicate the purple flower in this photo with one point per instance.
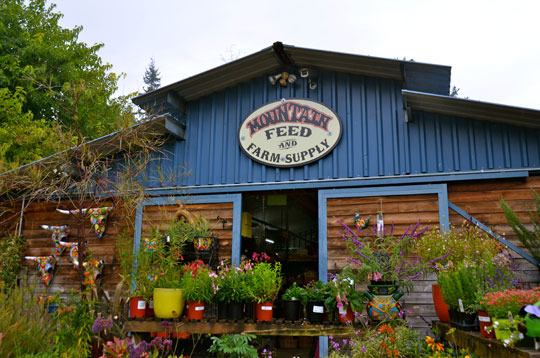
(101, 324)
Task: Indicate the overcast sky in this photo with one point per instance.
(492, 46)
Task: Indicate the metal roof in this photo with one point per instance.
(466, 108)
(278, 57)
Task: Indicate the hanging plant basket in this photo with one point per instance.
(203, 243)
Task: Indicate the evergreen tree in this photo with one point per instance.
(151, 77)
(529, 238)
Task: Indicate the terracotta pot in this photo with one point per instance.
(485, 321)
(346, 315)
(195, 310)
(181, 335)
(264, 311)
(137, 307)
(441, 308)
(168, 302)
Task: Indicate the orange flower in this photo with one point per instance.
(439, 347)
(386, 328)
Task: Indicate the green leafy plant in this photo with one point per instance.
(197, 283)
(294, 293)
(264, 283)
(529, 239)
(461, 283)
(233, 346)
(11, 251)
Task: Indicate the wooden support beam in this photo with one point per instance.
(275, 328)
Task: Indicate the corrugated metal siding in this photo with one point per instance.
(376, 141)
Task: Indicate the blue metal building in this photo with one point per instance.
(402, 135)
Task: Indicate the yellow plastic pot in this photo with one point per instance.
(168, 302)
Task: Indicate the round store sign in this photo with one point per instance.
(290, 133)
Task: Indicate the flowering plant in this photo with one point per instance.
(341, 293)
(315, 291)
(264, 283)
(467, 243)
(197, 282)
(498, 304)
(230, 282)
(383, 258)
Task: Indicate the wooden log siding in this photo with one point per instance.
(39, 243)
(161, 215)
(480, 199)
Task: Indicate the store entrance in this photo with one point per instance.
(283, 224)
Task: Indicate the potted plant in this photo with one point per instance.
(198, 289)
(314, 301)
(292, 299)
(343, 296)
(229, 289)
(203, 239)
(441, 249)
(262, 286)
(504, 306)
(384, 259)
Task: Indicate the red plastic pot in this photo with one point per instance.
(264, 311)
(137, 307)
(346, 315)
(485, 321)
(441, 308)
(195, 310)
(150, 309)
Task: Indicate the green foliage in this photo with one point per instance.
(341, 291)
(197, 284)
(25, 323)
(315, 291)
(233, 346)
(74, 327)
(124, 254)
(49, 78)
(264, 284)
(461, 283)
(529, 239)
(11, 251)
(466, 243)
(22, 138)
(151, 77)
(294, 293)
(230, 282)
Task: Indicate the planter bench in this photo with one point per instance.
(278, 327)
(484, 347)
